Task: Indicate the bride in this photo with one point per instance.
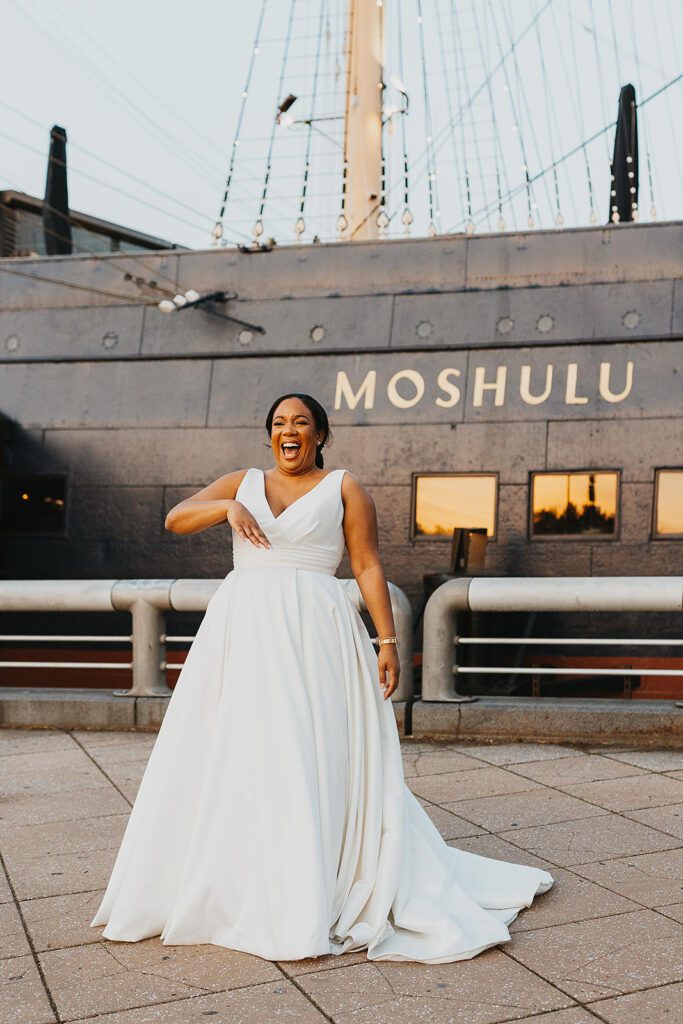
(273, 816)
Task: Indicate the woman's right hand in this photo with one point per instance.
(244, 524)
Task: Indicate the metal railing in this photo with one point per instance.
(147, 601)
(440, 668)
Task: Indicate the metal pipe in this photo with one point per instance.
(614, 642)
(551, 671)
(67, 664)
(60, 638)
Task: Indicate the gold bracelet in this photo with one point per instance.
(388, 640)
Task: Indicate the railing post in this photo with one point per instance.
(147, 601)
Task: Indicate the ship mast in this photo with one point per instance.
(363, 185)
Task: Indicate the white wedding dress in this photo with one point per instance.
(273, 816)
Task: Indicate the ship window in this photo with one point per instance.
(32, 504)
(579, 505)
(668, 503)
(444, 502)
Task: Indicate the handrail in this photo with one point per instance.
(148, 600)
(567, 593)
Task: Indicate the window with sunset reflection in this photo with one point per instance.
(443, 503)
(574, 504)
(668, 503)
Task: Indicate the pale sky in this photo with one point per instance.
(152, 90)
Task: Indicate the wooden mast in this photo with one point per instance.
(362, 196)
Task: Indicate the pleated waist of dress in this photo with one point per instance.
(309, 559)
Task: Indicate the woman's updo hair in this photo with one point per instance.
(319, 417)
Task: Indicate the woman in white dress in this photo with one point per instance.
(273, 816)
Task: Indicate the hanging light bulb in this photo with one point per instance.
(559, 219)
(166, 306)
(299, 228)
(191, 295)
(501, 223)
(531, 223)
(217, 232)
(258, 228)
(382, 222)
(593, 218)
(406, 220)
(179, 301)
(469, 227)
(653, 211)
(432, 229)
(342, 223)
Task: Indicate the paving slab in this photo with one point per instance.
(109, 976)
(57, 874)
(23, 999)
(640, 792)
(72, 805)
(484, 781)
(450, 825)
(668, 818)
(661, 1005)
(606, 956)
(62, 837)
(589, 839)
(651, 879)
(520, 810)
(488, 845)
(23, 741)
(653, 760)
(572, 898)
(483, 990)
(54, 922)
(94, 740)
(277, 1002)
(41, 782)
(565, 771)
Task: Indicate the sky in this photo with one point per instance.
(150, 94)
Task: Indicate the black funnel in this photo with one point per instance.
(623, 202)
(56, 223)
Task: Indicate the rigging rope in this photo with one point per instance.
(300, 225)
(218, 228)
(431, 171)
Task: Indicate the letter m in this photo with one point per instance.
(345, 393)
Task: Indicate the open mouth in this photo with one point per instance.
(290, 449)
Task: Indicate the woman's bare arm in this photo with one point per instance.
(360, 532)
(216, 504)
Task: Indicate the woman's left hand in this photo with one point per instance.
(389, 668)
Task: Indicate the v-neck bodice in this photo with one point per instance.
(307, 534)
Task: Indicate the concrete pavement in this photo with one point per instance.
(606, 943)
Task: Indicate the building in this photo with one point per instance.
(527, 383)
(22, 232)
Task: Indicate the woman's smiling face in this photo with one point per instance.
(294, 436)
